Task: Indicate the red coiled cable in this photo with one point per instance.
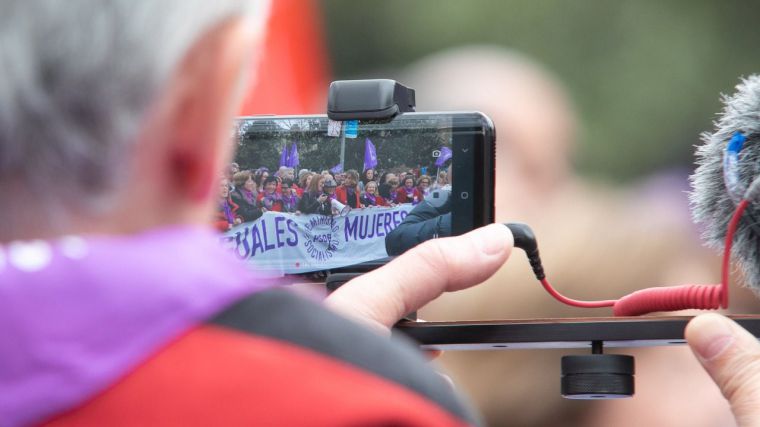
(673, 297)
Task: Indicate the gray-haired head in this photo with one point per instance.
(77, 79)
(712, 207)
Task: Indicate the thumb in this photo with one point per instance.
(731, 356)
(415, 278)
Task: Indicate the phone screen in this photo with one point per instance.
(306, 193)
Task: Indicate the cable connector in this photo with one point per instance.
(525, 239)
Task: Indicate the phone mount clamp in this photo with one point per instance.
(378, 100)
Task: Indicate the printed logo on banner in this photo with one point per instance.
(321, 237)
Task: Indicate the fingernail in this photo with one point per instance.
(710, 335)
(492, 239)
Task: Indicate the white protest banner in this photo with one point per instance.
(289, 243)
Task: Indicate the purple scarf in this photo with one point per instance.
(270, 199)
(290, 202)
(227, 209)
(249, 196)
(372, 199)
(77, 314)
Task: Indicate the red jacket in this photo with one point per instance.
(221, 222)
(341, 193)
(401, 196)
(276, 206)
(379, 201)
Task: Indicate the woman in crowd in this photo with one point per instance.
(442, 181)
(260, 176)
(370, 196)
(367, 176)
(424, 185)
(244, 195)
(289, 196)
(226, 215)
(304, 179)
(385, 189)
(408, 193)
(270, 199)
(315, 201)
(348, 191)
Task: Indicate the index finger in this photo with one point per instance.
(420, 275)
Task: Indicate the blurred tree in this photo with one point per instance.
(645, 75)
(260, 143)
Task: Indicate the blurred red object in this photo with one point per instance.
(293, 74)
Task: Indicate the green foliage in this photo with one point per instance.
(645, 75)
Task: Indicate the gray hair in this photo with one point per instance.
(712, 207)
(77, 78)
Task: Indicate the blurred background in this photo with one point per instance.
(598, 106)
(644, 75)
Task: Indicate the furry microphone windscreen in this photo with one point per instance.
(712, 207)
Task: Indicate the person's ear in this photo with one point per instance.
(199, 106)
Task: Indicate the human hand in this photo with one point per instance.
(731, 356)
(238, 221)
(382, 297)
(322, 198)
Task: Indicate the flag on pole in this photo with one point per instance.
(337, 168)
(445, 155)
(370, 155)
(284, 156)
(293, 157)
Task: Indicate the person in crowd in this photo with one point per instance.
(270, 199)
(230, 173)
(290, 174)
(328, 189)
(339, 178)
(423, 184)
(281, 171)
(442, 180)
(328, 174)
(370, 196)
(289, 196)
(316, 200)
(260, 176)
(348, 193)
(245, 195)
(226, 214)
(367, 176)
(385, 189)
(304, 180)
(392, 189)
(408, 193)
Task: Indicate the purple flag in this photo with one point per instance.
(370, 155)
(337, 168)
(293, 158)
(284, 156)
(445, 155)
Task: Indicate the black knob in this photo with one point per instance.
(597, 376)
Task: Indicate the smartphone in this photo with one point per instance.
(364, 191)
